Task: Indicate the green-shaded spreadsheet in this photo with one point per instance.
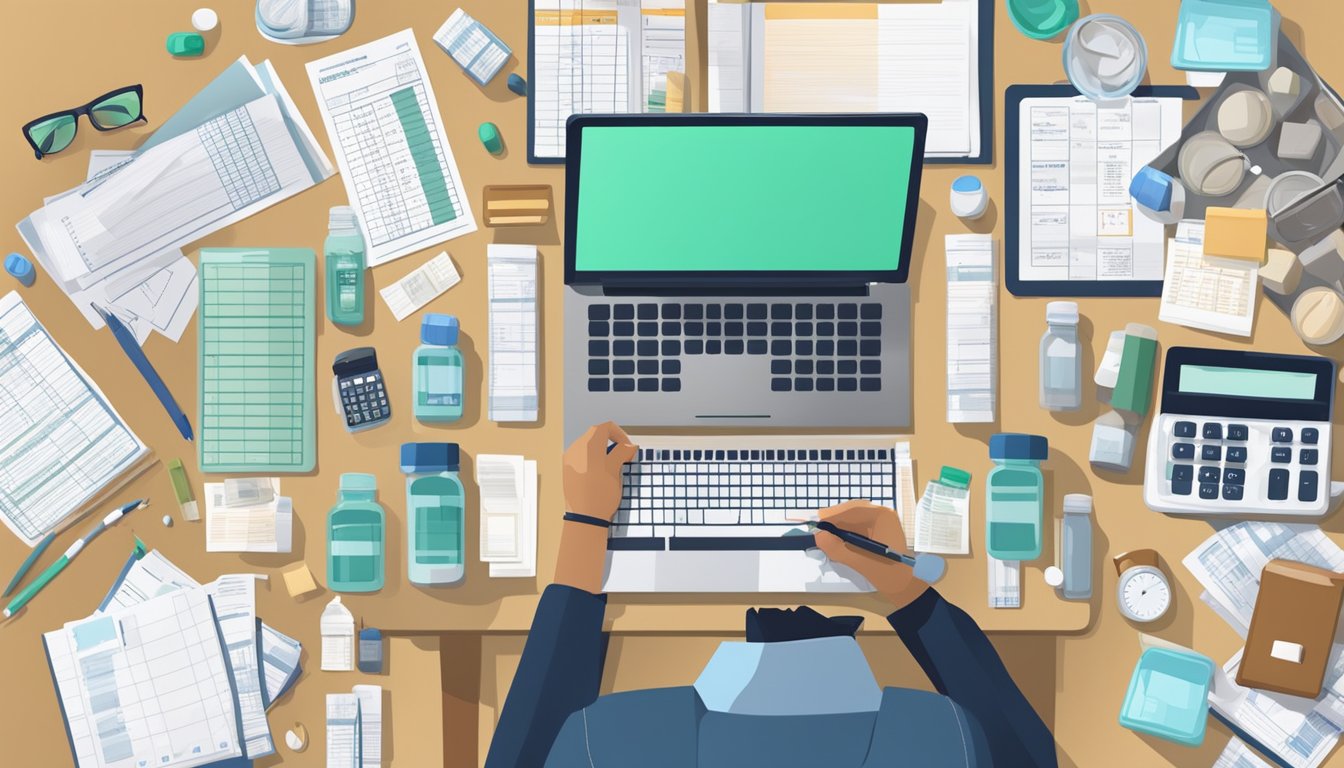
(256, 338)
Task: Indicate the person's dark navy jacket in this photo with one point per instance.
(554, 717)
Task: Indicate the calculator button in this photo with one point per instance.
(1209, 474)
(1238, 432)
(1184, 472)
(1184, 429)
(1213, 431)
(1236, 455)
(1278, 484)
(1282, 435)
(1234, 476)
(1308, 456)
(1211, 453)
(1281, 455)
(1233, 492)
(1183, 451)
(1306, 485)
(1181, 487)
(1208, 491)
(1311, 435)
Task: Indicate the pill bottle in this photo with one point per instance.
(1015, 496)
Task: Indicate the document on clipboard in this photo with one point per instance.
(928, 57)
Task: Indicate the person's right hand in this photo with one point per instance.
(593, 474)
(895, 581)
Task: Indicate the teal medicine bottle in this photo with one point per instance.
(344, 255)
(437, 374)
(435, 513)
(1015, 496)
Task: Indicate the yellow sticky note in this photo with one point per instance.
(1235, 233)
(299, 581)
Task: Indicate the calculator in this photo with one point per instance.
(1241, 434)
(359, 389)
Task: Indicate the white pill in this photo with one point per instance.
(297, 738)
(167, 521)
(1054, 576)
(204, 19)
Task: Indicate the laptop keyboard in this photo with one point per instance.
(812, 346)
(723, 498)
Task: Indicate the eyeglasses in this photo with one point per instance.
(1313, 214)
(115, 109)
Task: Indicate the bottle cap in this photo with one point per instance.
(1054, 576)
(1062, 312)
(1079, 503)
(440, 330)
(1011, 445)
(20, 267)
(204, 19)
(429, 457)
(342, 217)
(956, 478)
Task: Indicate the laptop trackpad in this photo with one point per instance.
(707, 572)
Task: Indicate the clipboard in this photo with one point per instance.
(1013, 98)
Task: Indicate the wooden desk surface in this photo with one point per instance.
(65, 59)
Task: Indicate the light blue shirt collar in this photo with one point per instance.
(821, 676)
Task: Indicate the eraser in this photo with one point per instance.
(299, 581)
(1286, 651)
(518, 85)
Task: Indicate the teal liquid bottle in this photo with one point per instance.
(436, 377)
(435, 513)
(355, 532)
(344, 255)
(1015, 496)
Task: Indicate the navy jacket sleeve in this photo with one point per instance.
(560, 672)
(963, 666)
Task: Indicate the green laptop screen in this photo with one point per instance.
(744, 198)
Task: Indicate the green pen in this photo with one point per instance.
(55, 568)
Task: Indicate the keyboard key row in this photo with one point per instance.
(825, 384)
(651, 455)
(627, 384)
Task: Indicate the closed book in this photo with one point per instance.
(1292, 629)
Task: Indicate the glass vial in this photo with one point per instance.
(435, 511)
(1061, 359)
(344, 255)
(437, 373)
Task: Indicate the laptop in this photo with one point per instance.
(739, 270)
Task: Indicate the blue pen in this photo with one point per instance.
(132, 349)
(28, 562)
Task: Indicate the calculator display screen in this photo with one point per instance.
(1247, 382)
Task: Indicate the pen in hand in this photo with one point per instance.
(928, 567)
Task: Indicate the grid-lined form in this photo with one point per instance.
(240, 160)
(256, 360)
(582, 67)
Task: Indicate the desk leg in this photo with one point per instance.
(460, 672)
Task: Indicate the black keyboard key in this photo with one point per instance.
(1211, 453)
(1238, 432)
(847, 385)
(781, 311)
(1182, 472)
(1282, 435)
(647, 311)
(637, 543)
(671, 367)
(623, 367)
(870, 329)
(756, 311)
(623, 385)
(847, 367)
(1208, 491)
(1307, 485)
(1280, 455)
(694, 328)
(1278, 484)
(802, 385)
(802, 366)
(1184, 429)
(739, 543)
(734, 329)
(826, 367)
(1234, 476)
(1209, 474)
(599, 311)
(671, 347)
(848, 311)
(870, 385)
(671, 311)
(802, 311)
(598, 349)
(1181, 487)
(781, 385)
(647, 348)
(713, 329)
(1308, 456)
(825, 385)
(647, 367)
(623, 328)
(713, 347)
(671, 385)
(825, 328)
(1213, 431)
(870, 367)
(870, 348)
(802, 329)
(757, 347)
(781, 348)
(847, 348)
(623, 312)
(648, 329)
(755, 329)
(1233, 492)
(1311, 435)
(694, 346)
(623, 348)
(733, 347)
(1184, 451)
(781, 367)
(598, 367)
(1236, 455)
(847, 329)
(825, 347)
(599, 329)
(648, 385)
(781, 328)
(802, 347)
(598, 385)
(733, 311)
(671, 328)
(693, 311)
(870, 311)
(825, 311)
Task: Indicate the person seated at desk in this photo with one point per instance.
(807, 699)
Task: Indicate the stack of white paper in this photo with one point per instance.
(972, 329)
(508, 516)
(514, 369)
(257, 520)
(355, 728)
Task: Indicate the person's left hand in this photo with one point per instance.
(593, 475)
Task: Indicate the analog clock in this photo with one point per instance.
(1143, 591)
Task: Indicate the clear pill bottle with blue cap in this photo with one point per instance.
(437, 373)
(1015, 496)
(435, 513)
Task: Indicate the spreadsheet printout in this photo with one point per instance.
(383, 122)
(513, 332)
(61, 444)
(972, 329)
(256, 342)
(1077, 221)
(146, 685)
(1207, 292)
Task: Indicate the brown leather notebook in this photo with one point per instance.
(1292, 629)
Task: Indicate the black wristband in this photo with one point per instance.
(575, 517)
